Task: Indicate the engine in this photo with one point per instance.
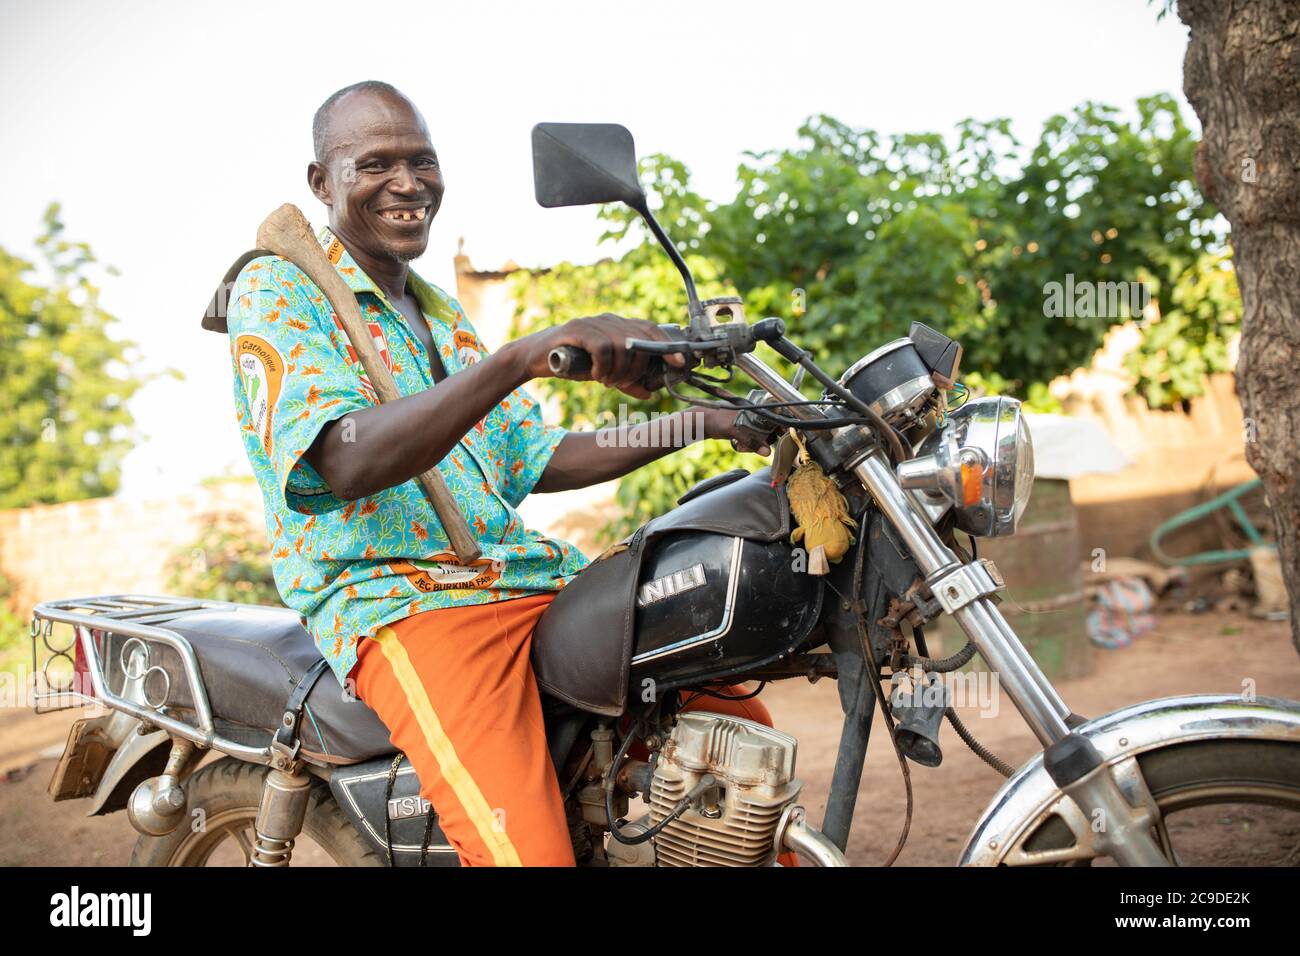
(733, 823)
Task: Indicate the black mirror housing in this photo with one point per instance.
(582, 164)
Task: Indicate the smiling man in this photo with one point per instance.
(439, 650)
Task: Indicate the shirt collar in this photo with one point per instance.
(435, 303)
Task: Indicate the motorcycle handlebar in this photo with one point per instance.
(570, 360)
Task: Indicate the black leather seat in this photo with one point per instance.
(251, 657)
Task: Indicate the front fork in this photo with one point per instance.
(965, 591)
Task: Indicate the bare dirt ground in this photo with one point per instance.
(1186, 654)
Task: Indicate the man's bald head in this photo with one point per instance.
(322, 121)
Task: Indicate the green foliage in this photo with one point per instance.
(1103, 200)
(881, 234)
(1191, 339)
(871, 233)
(229, 562)
(67, 380)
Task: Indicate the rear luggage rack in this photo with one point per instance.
(137, 617)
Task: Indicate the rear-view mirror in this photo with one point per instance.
(580, 164)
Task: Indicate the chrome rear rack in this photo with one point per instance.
(135, 616)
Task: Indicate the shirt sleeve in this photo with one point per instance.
(292, 376)
(530, 442)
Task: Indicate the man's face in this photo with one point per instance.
(380, 177)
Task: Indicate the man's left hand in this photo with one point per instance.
(721, 423)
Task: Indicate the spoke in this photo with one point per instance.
(1166, 842)
(245, 845)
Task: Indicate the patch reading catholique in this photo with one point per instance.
(261, 369)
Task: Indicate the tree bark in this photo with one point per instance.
(1242, 76)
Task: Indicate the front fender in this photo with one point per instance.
(1026, 799)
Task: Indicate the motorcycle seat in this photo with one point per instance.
(251, 657)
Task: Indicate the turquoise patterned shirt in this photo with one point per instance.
(349, 567)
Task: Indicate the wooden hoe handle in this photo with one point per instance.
(287, 233)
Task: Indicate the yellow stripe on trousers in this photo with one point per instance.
(466, 790)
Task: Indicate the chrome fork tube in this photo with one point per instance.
(1025, 683)
(776, 386)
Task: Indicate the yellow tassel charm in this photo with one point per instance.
(822, 515)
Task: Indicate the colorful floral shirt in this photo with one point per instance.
(349, 567)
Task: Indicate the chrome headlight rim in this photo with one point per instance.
(996, 426)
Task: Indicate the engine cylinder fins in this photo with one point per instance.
(736, 824)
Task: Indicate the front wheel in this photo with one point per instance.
(223, 800)
(1229, 802)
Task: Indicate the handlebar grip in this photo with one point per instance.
(569, 360)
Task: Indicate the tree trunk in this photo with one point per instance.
(1242, 76)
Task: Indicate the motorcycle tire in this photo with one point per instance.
(228, 792)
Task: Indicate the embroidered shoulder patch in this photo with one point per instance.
(261, 369)
(467, 347)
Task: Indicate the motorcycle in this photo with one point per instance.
(712, 593)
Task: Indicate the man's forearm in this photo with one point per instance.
(386, 445)
(588, 458)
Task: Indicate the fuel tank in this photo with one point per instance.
(711, 606)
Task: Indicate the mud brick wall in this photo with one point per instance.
(108, 545)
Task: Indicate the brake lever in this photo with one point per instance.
(660, 349)
(718, 350)
(568, 360)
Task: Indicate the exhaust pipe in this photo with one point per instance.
(794, 833)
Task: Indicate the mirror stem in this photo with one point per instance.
(694, 309)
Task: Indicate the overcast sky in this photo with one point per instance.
(169, 130)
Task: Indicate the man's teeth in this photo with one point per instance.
(405, 215)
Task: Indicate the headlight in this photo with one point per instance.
(982, 462)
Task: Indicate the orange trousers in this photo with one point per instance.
(456, 690)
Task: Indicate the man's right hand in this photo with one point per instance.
(603, 337)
